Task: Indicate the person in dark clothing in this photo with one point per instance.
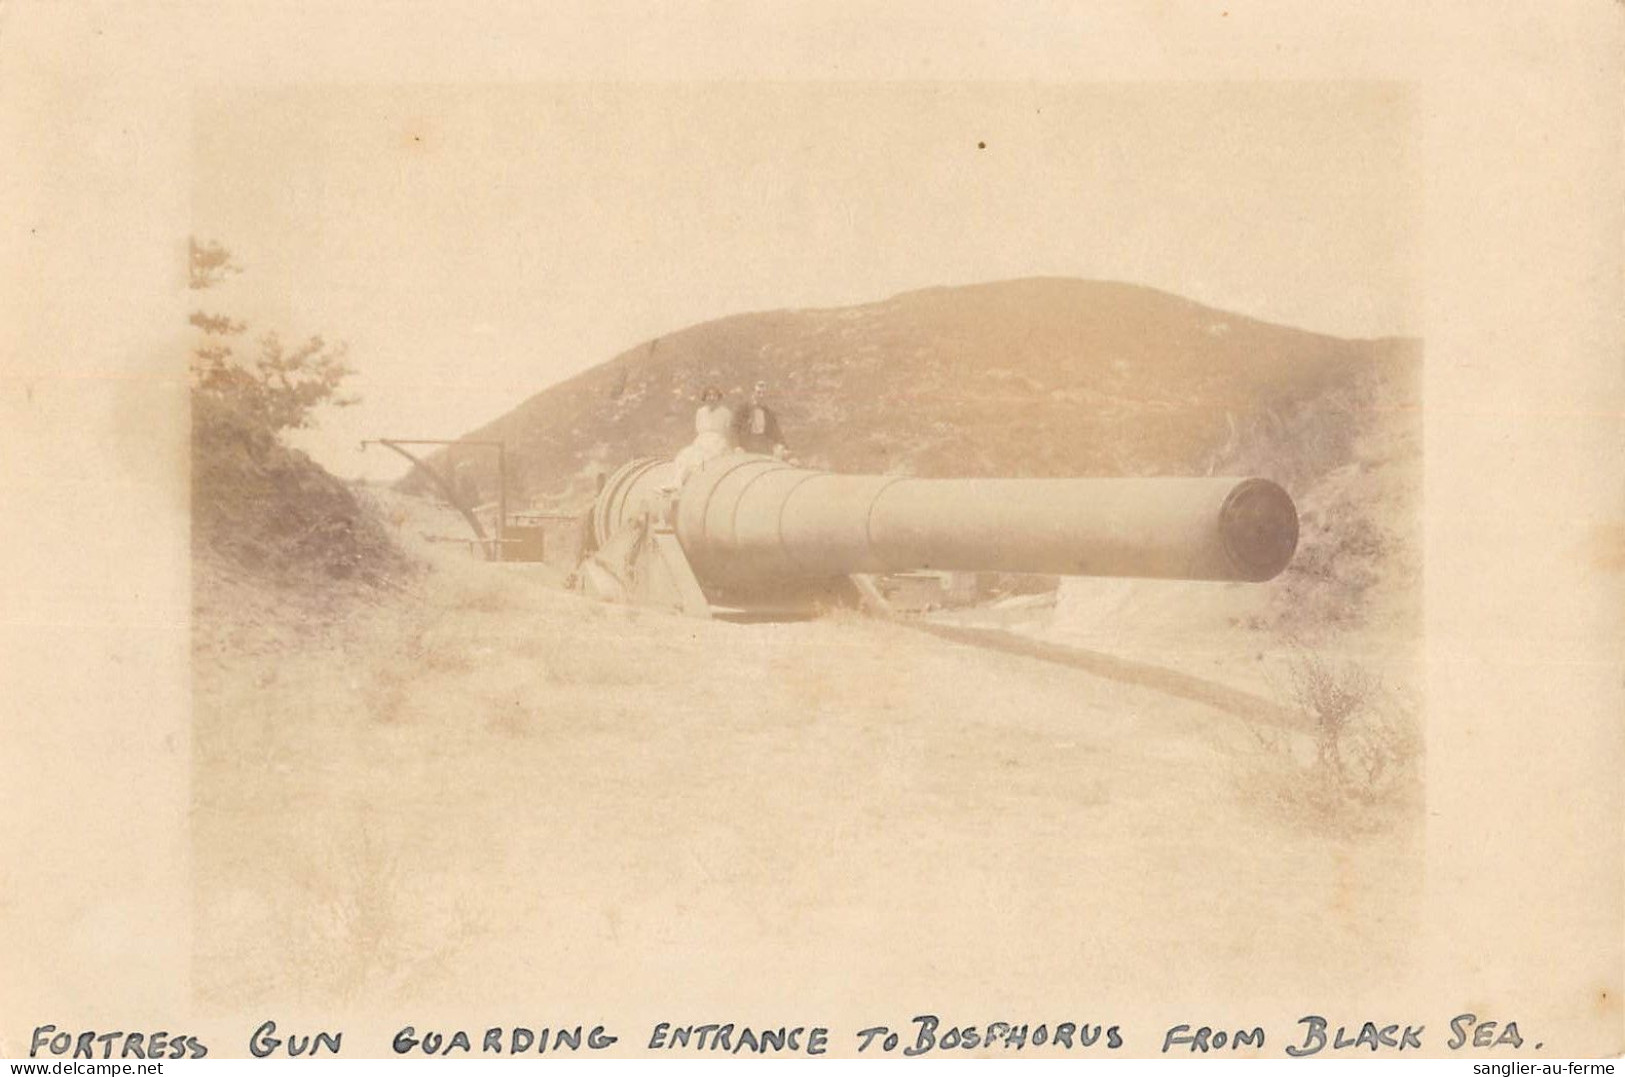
(758, 428)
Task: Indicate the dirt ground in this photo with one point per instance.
(481, 791)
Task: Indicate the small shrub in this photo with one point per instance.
(259, 504)
(1331, 698)
(344, 935)
(1364, 749)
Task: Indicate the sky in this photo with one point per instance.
(475, 244)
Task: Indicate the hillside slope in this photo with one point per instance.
(1027, 377)
(1042, 377)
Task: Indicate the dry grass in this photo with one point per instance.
(350, 923)
(489, 791)
(1356, 764)
(489, 594)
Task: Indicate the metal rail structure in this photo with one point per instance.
(493, 550)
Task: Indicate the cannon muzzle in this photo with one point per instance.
(746, 522)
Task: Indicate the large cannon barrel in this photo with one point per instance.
(746, 520)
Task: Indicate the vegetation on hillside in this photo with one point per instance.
(258, 505)
(1038, 377)
(1025, 377)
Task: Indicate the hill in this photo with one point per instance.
(1027, 377)
(276, 539)
(1040, 377)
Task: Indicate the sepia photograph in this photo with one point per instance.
(799, 532)
(937, 511)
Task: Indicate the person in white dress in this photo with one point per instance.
(714, 435)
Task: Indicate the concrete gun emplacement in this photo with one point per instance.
(749, 530)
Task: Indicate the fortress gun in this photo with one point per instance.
(747, 530)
